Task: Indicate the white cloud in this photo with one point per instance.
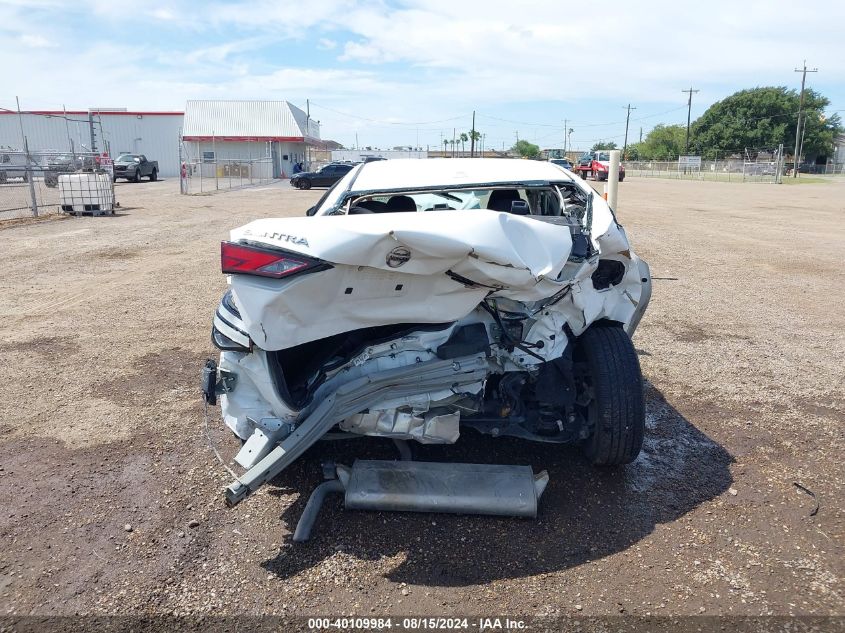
(36, 41)
(163, 14)
(424, 60)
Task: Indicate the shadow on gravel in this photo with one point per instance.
(585, 513)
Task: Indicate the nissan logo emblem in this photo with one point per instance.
(398, 256)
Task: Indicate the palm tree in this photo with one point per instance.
(475, 135)
(464, 138)
(445, 146)
(452, 143)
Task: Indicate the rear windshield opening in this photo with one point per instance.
(551, 200)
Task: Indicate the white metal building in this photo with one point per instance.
(249, 130)
(116, 131)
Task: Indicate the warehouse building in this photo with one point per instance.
(271, 135)
(104, 130)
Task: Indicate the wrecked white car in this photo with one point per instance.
(420, 298)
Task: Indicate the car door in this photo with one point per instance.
(340, 172)
(323, 178)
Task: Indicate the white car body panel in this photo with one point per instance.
(521, 259)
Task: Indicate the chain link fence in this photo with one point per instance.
(207, 172)
(46, 183)
(728, 170)
(221, 174)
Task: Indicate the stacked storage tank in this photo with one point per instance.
(86, 193)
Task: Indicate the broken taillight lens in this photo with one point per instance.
(264, 262)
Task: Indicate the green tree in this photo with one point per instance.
(445, 145)
(633, 152)
(475, 135)
(763, 118)
(603, 145)
(464, 138)
(526, 149)
(664, 142)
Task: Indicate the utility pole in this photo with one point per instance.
(641, 134)
(689, 112)
(565, 125)
(798, 135)
(625, 146)
(472, 137)
(307, 125)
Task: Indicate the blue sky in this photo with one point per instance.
(408, 72)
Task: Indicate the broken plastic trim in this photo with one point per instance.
(353, 397)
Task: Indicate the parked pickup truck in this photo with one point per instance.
(134, 167)
(596, 164)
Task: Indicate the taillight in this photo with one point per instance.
(265, 262)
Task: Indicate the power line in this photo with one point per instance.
(398, 123)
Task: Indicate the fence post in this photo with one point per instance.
(30, 177)
(183, 175)
(613, 179)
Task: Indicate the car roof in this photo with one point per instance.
(415, 173)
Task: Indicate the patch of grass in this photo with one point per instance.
(805, 180)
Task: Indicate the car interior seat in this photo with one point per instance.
(500, 200)
(368, 206)
(397, 204)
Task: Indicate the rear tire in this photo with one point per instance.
(583, 174)
(137, 177)
(154, 176)
(617, 409)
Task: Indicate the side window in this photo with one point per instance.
(5, 159)
(208, 157)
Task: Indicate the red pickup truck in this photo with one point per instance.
(596, 164)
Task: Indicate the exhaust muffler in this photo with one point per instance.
(407, 486)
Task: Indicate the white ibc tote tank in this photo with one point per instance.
(86, 193)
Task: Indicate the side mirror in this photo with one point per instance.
(311, 211)
(520, 207)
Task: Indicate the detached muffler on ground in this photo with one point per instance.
(408, 486)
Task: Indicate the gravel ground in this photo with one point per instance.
(111, 501)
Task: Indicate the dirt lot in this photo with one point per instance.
(111, 501)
